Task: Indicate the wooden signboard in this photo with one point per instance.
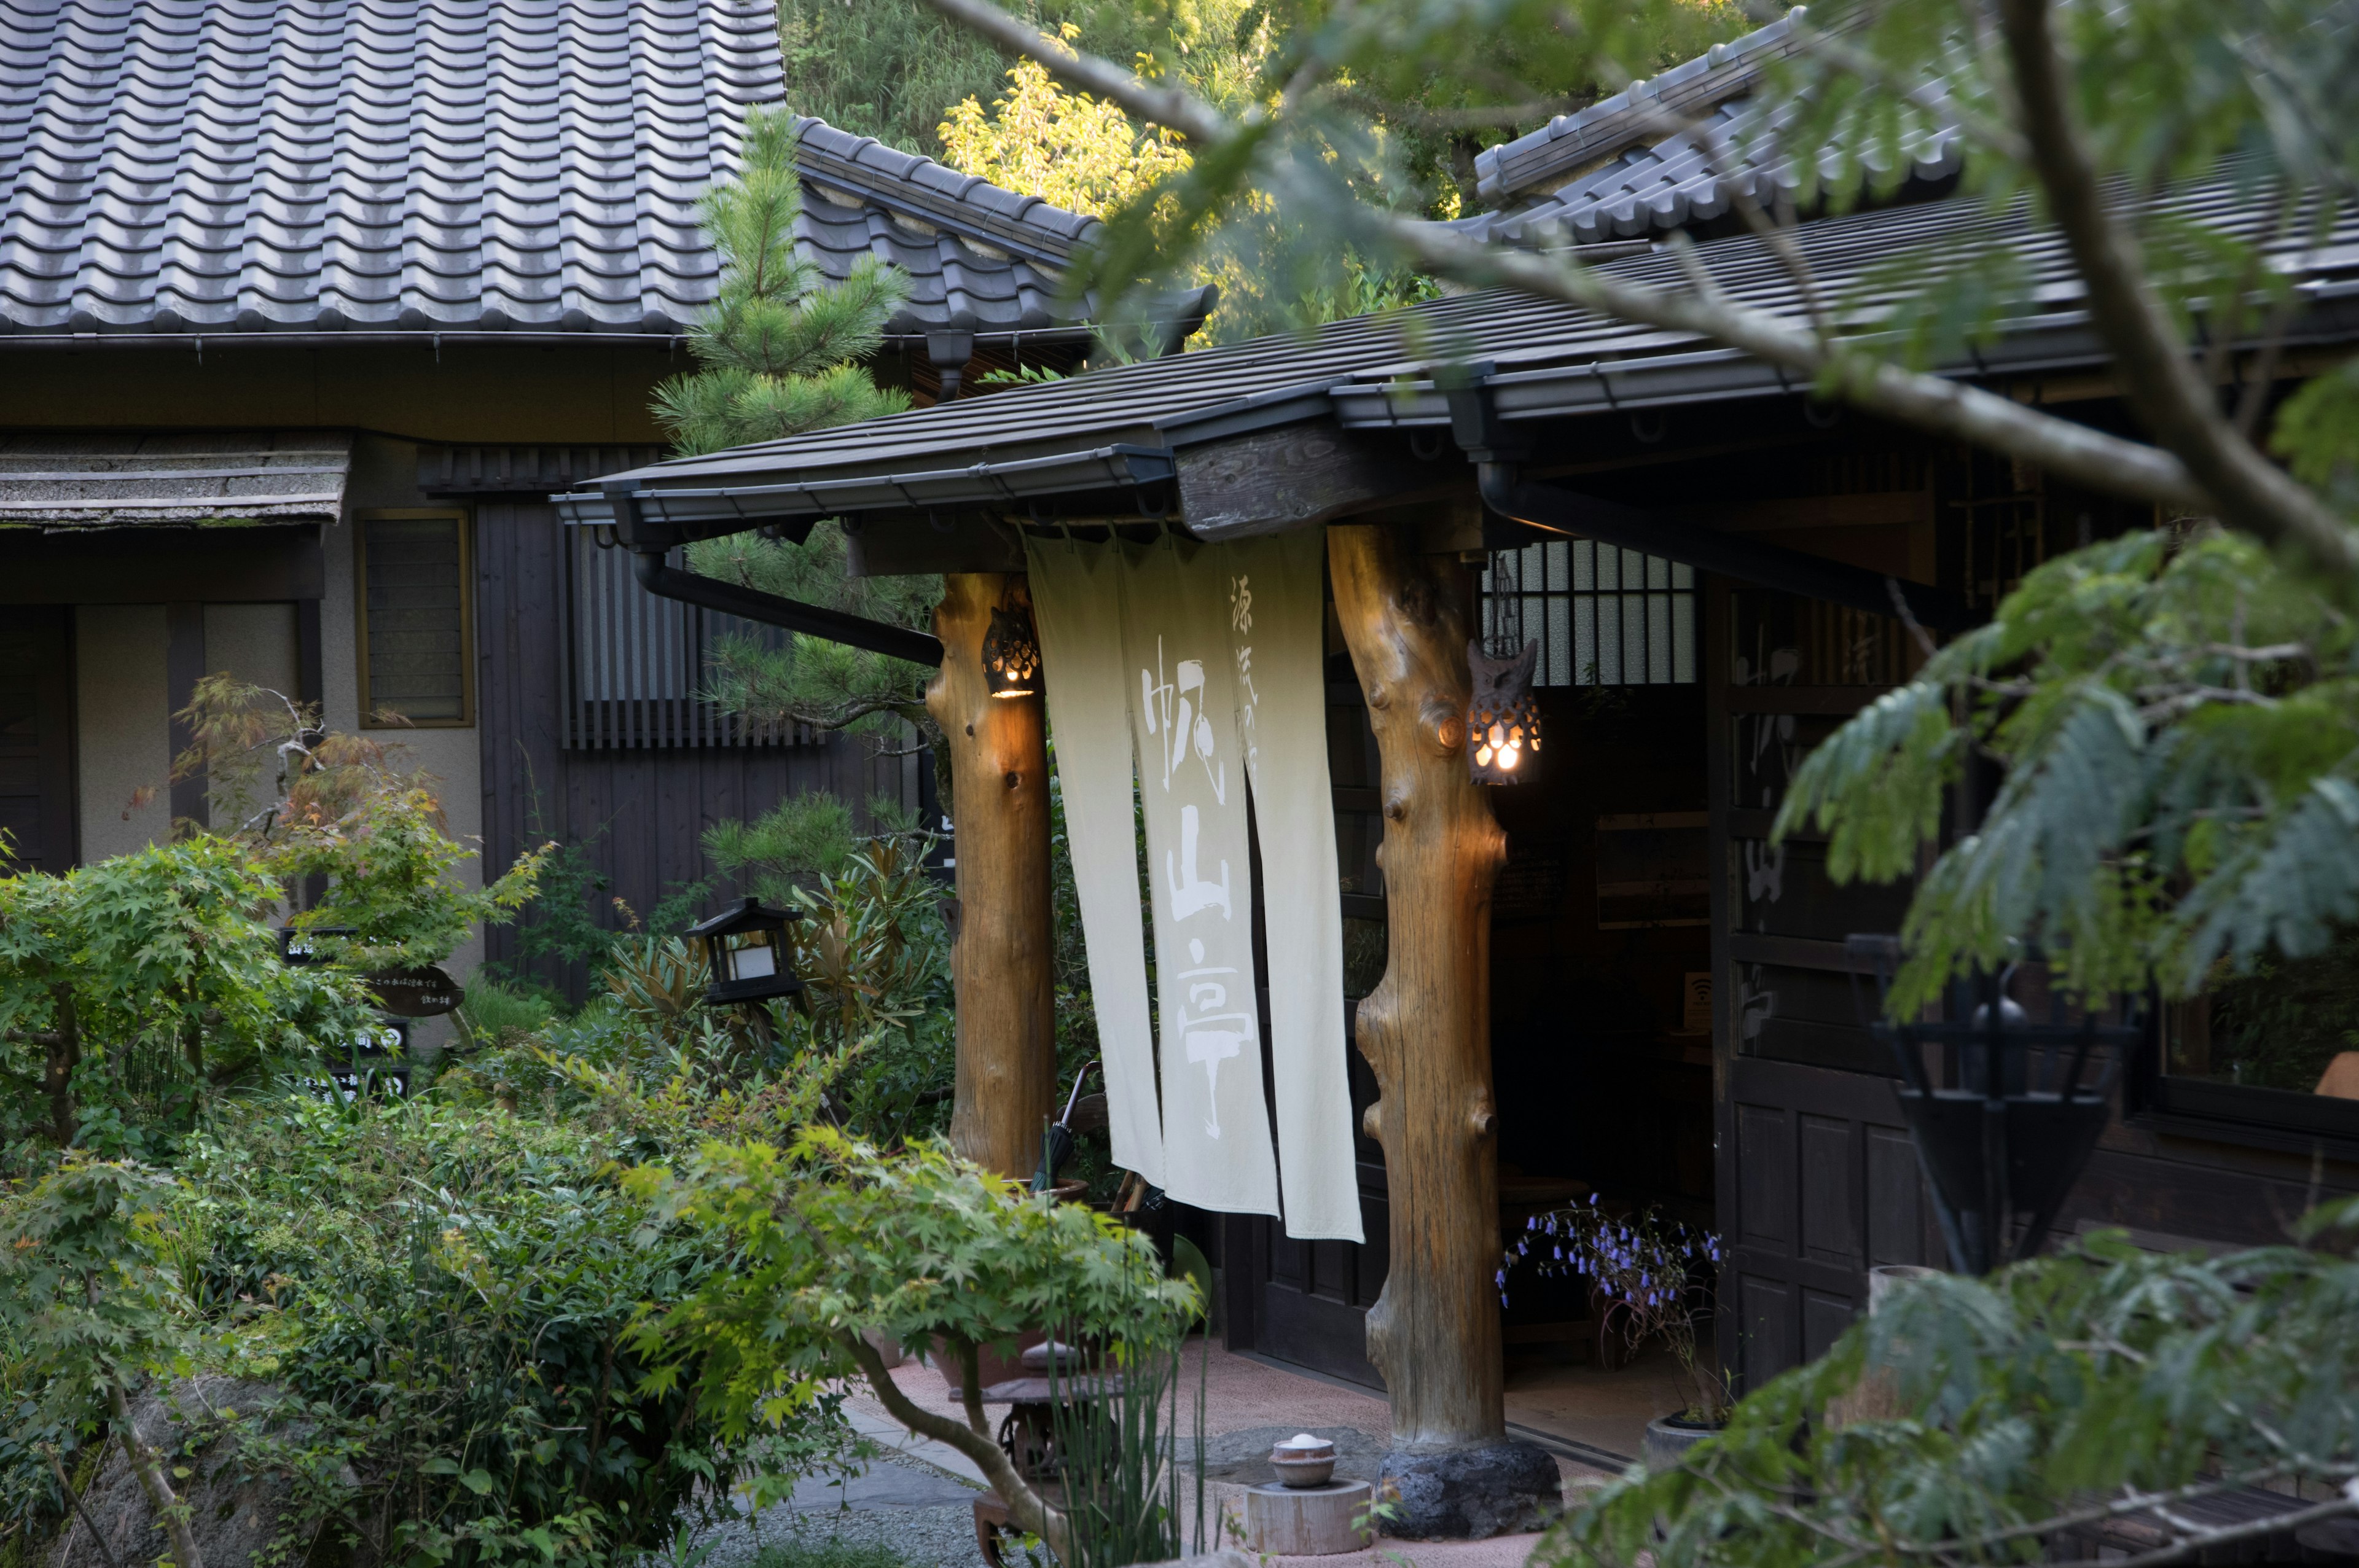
(416, 993)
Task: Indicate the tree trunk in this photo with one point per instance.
(149, 1467)
(63, 1055)
(1434, 1330)
(1002, 945)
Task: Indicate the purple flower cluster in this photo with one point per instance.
(1646, 1268)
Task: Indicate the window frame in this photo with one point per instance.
(1568, 599)
(2251, 1115)
(464, 517)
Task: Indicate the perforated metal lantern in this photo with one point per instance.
(1502, 718)
(1011, 649)
(2005, 1112)
(746, 948)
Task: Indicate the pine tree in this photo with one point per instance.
(779, 348)
(782, 352)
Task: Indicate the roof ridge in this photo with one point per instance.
(967, 204)
(1613, 126)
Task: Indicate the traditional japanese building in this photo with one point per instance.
(1605, 979)
(303, 313)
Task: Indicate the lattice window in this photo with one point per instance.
(417, 618)
(638, 665)
(1602, 616)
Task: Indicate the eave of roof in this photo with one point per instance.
(88, 483)
(1547, 360)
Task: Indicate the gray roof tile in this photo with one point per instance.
(1691, 177)
(305, 166)
(1608, 173)
(1571, 141)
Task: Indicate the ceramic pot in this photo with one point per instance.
(1305, 1462)
(1668, 1438)
(1300, 1473)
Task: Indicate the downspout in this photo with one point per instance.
(853, 631)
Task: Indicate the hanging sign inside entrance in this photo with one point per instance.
(1191, 777)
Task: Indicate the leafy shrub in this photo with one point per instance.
(495, 1010)
(447, 1295)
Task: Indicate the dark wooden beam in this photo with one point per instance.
(944, 542)
(158, 565)
(1270, 481)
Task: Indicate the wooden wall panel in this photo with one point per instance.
(637, 815)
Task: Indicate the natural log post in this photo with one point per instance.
(1425, 1031)
(1001, 948)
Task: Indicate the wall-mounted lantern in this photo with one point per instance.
(1011, 649)
(1503, 719)
(2004, 1111)
(746, 948)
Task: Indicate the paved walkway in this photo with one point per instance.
(1247, 1402)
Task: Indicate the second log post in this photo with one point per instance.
(1001, 947)
(1425, 1031)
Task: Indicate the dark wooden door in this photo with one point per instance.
(1818, 1181)
(37, 772)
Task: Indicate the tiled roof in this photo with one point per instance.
(1571, 142)
(979, 258)
(75, 483)
(1610, 172)
(1691, 176)
(331, 164)
(1542, 360)
(444, 166)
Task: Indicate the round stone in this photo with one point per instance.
(1471, 1494)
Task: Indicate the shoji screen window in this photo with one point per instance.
(417, 618)
(1602, 616)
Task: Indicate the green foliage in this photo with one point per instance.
(495, 1010)
(2071, 1388)
(809, 680)
(886, 69)
(562, 922)
(778, 348)
(448, 1294)
(344, 809)
(88, 1296)
(873, 947)
(2178, 716)
(802, 836)
(1385, 103)
(835, 1240)
(394, 881)
(133, 986)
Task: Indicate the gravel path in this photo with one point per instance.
(925, 1516)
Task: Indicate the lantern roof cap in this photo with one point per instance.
(748, 913)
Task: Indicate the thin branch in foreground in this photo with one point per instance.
(1929, 403)
(2235, 482)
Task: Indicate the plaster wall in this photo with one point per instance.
(385, 478)
(123, 727)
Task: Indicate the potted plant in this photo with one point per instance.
(1651, 1277)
